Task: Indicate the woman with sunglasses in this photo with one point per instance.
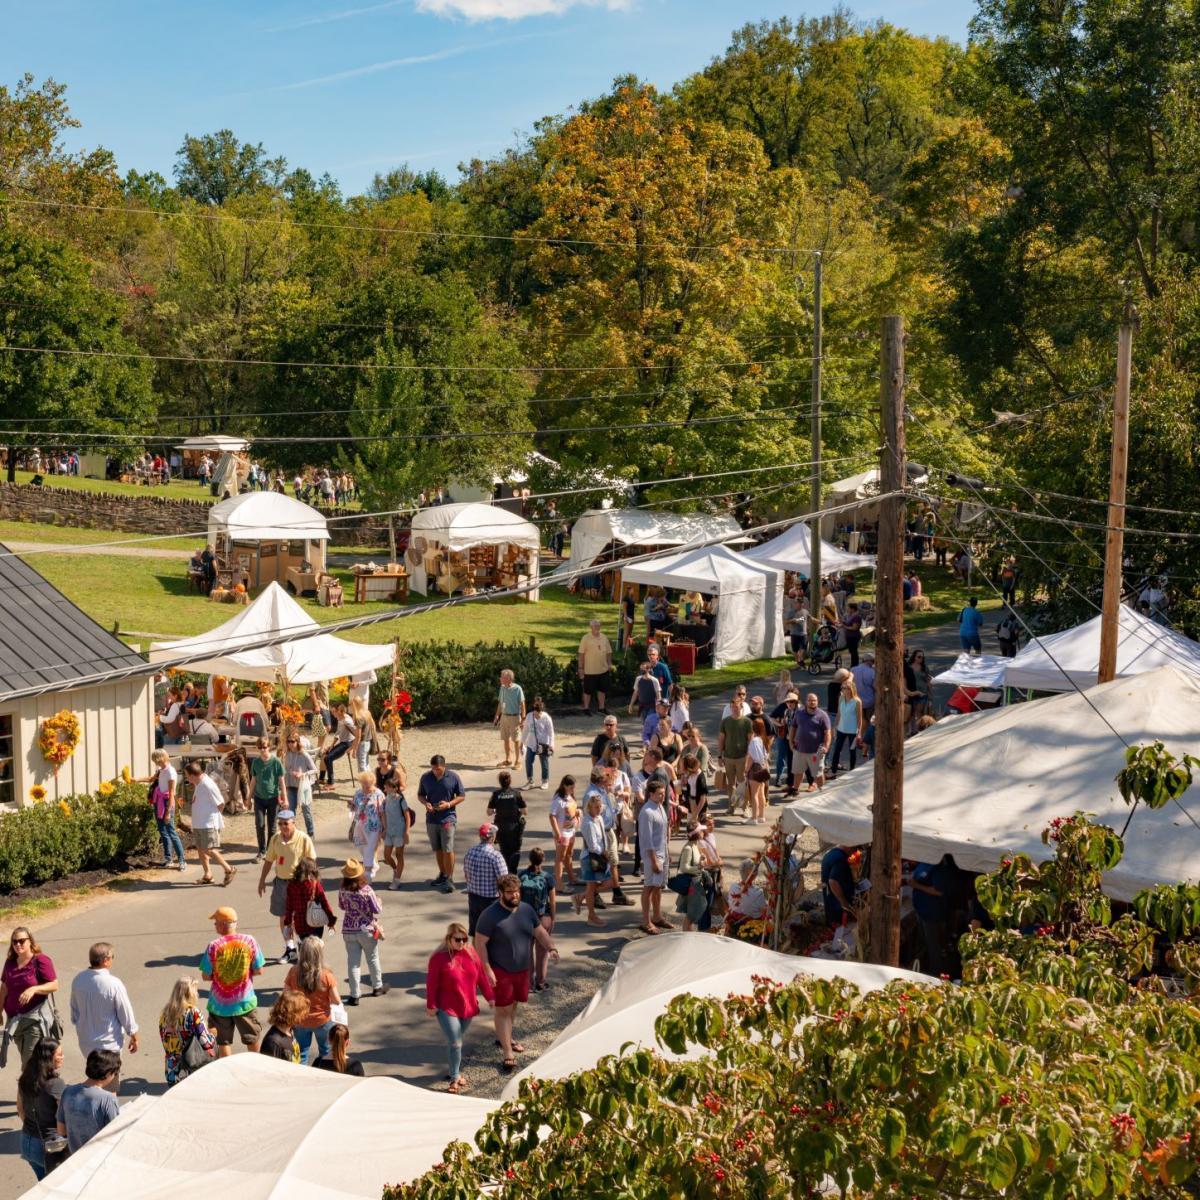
(452, 983)
(26, 980)
(299, 777)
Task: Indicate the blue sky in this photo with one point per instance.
(357, 86)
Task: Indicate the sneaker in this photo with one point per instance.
(394, 885)
(601, 902)
(620, 898)
(446, 887)
(585, 712)
(350, 1001)
(258, 857)
(529, 785)
(604, 712)
(381, 991)
(437, 883)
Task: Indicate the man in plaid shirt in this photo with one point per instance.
(483, 866)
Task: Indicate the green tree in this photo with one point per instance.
(216, 168)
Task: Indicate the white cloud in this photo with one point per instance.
(511, 10)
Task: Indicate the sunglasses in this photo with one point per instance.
(20, 941)
(459, 941)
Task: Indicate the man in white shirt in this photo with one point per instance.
(654, 831)
(207, 822)
(101, 1010)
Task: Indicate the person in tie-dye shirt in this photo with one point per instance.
(230, 962)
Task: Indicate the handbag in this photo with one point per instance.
(719, 779)
(598, 862)
(315, 916)
(54, 1030)
(194, 1055)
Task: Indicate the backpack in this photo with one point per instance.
(647, 693)
(535, 891)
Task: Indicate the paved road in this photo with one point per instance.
(108, 551)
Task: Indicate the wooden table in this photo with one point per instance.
(380, 585)
(302, 582)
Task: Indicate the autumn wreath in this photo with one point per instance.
(59, 737)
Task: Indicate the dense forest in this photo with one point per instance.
(629, 289)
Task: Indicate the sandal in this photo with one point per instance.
(647, 929)
(517, 1047)
(663, 923)
(508, 1066)
(228, 877)
(456, 1086)
(599, 924)
(205, 879)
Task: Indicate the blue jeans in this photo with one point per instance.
(34, 1153)
(301, 810)
(332, 755)
(530, 755)
(304, 1039)
(455, 1029)
(783, 759)
(168, 835)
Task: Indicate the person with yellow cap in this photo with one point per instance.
(230, 962)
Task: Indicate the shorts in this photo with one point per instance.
(441, 836)
(650, 877)
(510, 725)
(593, 684)
(207, 839)
(610, 848)
(815, 763)
(399, 838)
(735, 772)
(279, 897)
(512, 987)
(247, 1024)
(970, 642)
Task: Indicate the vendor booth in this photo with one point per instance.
(264, 537)
(313, 659)
(250, 1127)
(1070, 659)
(652, 971)
(983, 787)
(791, 550)
(749, 598)
(470, 547)
(859, 524)
(214, 445)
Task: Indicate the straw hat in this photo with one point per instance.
(353, 869)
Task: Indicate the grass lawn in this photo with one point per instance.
(66, 535)
(177, 489)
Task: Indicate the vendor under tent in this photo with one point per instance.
(250, 1127)
(258, 536)
(861, 491)
(749, 617)
(1070, 659)
(468, 547)
(600, 535)
(791, 550)
(652, 971)
(313, 659)
(983, 787)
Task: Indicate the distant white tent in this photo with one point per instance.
(250, 1127)
(1070, 659)
(266, 517)
(984, 786)
(749, 621)
(310, 660)
(599, 528)
(215, 443)
(976, 670)
(460, 527)
(651, 971)
(791, 550)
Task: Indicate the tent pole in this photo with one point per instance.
(814, 566)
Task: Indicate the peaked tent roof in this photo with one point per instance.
(1070, 659)
(460, 526)
(44, 638)
(222, 443)
(253, 1127)
(653, 970)
(714, 569)
(221, 651)
(791, 550)
(265, 517)
(985, 786)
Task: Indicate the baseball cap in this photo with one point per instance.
(792, 696)
(224, 913)
(285, 814)
(487, 830)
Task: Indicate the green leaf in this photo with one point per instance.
(892, 1130)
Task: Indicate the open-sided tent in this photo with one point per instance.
(975, 670)
(448, 530)
(599, 528)
(749, 598)
(791, 550)
(983, 787)
(221, 651)
(213, 443)
(250, 1126)
(262, 534)
(653, 970)
(1071, 658)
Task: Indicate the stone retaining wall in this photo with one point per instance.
(82, 509)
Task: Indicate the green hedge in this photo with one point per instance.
(82, 833)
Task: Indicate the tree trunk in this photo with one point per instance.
(392, 538)
(12, 464)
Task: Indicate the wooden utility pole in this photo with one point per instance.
(884, 931)
(1114, 539)
(814, 571)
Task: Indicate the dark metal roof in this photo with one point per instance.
(44, 638)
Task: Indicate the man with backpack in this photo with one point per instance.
(1008, 633)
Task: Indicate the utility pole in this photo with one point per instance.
(884, 926)
(814, 572)
(1114, 539)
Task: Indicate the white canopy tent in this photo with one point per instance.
(976, 670)
(598, 528)
(1071, 659)
(310, 660)
(250, 1127)
(791, 550)
(653, 970)
(266, 517)
(458, 528)
(215, 443)
(749, 621)
(984, 786)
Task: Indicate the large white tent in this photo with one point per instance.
(249, 1127)
(461, 527)
(313, 659)
(749, 598)
(651, 971)
(215, 443)
(984, 786)
(975, 670)
(599, 528)
(1071, 659)
(791, 550)
(266, 517)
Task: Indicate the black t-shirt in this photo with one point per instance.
(278, 1044)
(836, 866)
(353, 1066)
(509, 807)
(600, 744)
(41, 1108)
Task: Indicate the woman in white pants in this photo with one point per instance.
(368, 809)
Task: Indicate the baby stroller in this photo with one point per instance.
(823, 649)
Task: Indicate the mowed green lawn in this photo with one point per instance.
(177, 489)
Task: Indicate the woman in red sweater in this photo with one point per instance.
(454, 978)
(304, 888)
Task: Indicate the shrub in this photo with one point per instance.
(82, 833)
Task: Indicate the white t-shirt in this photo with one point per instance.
(558, 810)
(167, 776)
(757, 751)
(750, 902)
(171, 715)
(207, 803)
